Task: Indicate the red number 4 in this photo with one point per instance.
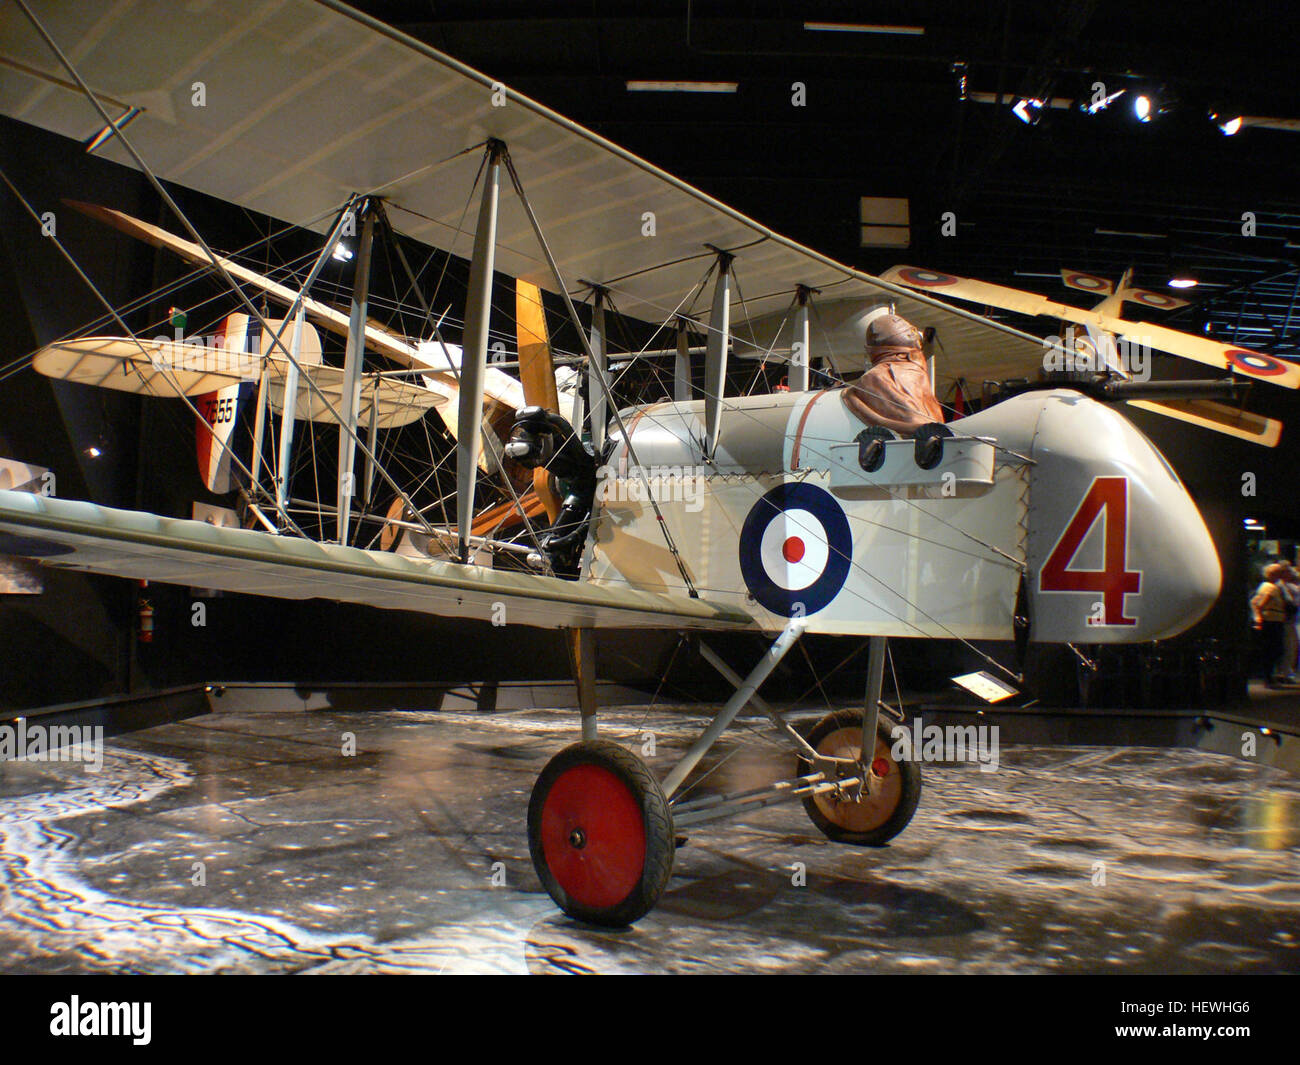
(1108, 497)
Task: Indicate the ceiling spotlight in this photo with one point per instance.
(1142, 108)
(962, 71)
(341, 252)
(1182, 282)
(93, 451)
(1028, 111)
(1227, 125)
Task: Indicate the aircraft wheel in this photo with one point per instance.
(601, 834)
(874, 819)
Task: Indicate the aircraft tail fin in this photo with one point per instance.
(1119, 294)
(1098, 286)
(215, 425)
(215, 428)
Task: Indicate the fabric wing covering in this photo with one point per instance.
(306, 101)
(82, 536)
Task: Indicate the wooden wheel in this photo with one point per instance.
(881, 812)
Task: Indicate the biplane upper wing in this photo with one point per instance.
(289, 106)
(1254, 364)
(82, 536)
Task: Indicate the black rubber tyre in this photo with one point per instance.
(877, 820)
(601, 834)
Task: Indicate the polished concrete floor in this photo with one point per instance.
(250, 842)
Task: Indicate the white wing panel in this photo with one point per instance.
(82, 536)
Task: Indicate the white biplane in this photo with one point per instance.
(1044, 517)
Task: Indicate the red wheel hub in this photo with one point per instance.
(592, 836)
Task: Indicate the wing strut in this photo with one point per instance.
(744, 692)
(598, 370)
(682, 364)
(800, 358)
(715, 355)
(595, 371)
(298, 311)
(350, 400)
(478, 310)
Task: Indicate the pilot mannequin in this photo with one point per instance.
(895, 391)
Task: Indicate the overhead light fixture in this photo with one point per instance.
(682, 86)
(1182, 282)
(1153, 102)
(1028, 111)
(962, 71)
(862, 27)
(341, 252)
(1228, 124)
(93, 451)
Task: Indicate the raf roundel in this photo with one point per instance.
(795, 549)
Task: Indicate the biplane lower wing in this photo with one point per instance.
(82, 536)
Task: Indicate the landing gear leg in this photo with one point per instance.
(599, 828)
(582, 657)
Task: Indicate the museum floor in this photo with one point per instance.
(247, 842)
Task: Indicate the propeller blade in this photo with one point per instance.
(537, 372)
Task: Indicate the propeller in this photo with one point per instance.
(537, 373)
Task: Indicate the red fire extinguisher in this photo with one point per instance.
(144, 630)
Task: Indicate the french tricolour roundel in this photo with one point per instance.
(795, 549)
(1156, 299)
(1254, 362)
(1087, 282)
(926, 278)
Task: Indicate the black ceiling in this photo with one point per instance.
(884, 117)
